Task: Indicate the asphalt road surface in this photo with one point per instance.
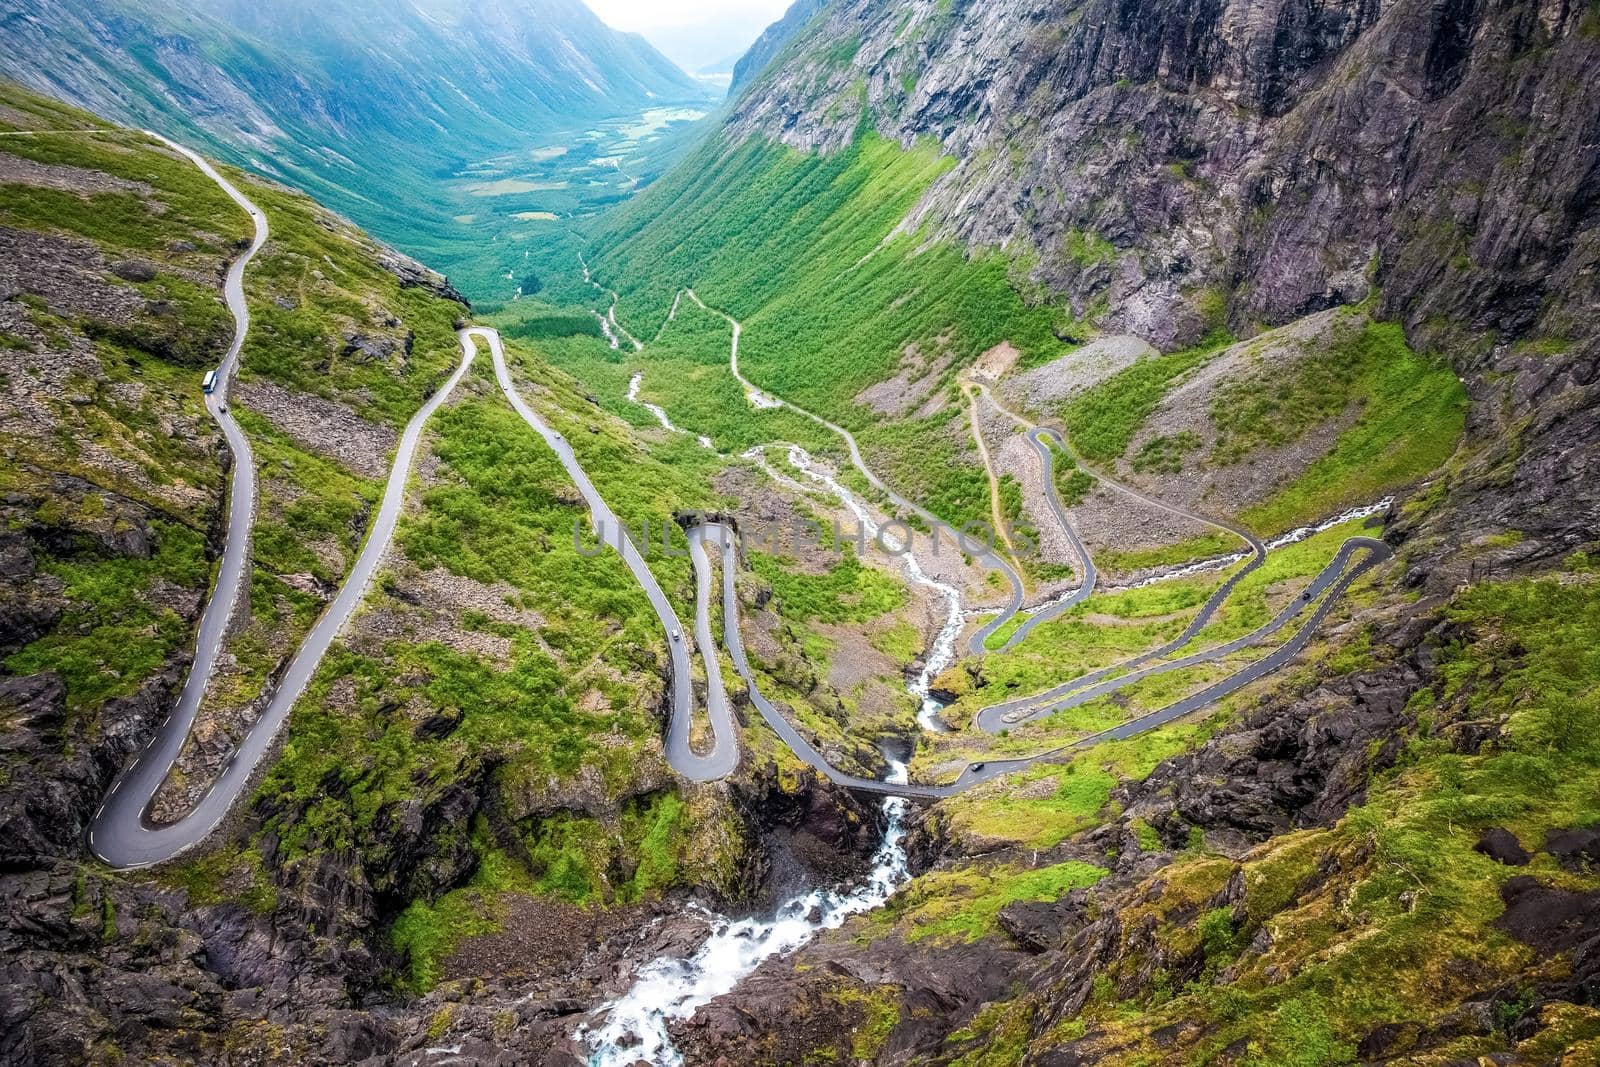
(724, 754)
(121, 833)
(984, 554)
(718, 540)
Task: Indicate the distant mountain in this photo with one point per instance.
(724, 65)
(363, 103)
(714, 35)
(772, 41)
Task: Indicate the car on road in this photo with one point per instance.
(677, 635)
(980, 765)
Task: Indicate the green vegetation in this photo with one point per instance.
(1206, 546)
(313, 289)
(961, 905)
(1413, 410)
(119, 220)
(879, 1011)
(1101, 421)
(1073, 483)
(573, 858)
(305, 498)
(279, 617)
(116, 631)
(1018, 811)
(1123, 624)
(224, 874)
(902, 642)
(1110, 628)
(686, 372)
(570, 692)
(508, 514)
(849, 591)
(1388, 916)
(820, 328)
(1086, 248)
(1010, 498)
(548, 324)
(524, 667)
(1164, 455)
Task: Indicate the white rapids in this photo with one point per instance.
(942, 654)
(657, 410)
(669, 988)
(634, 1026)
(1283, 540)
(1217, 563)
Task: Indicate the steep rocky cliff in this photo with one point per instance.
(1386, 855)
(1174, 162)
(773, 40)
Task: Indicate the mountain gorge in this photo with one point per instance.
(1262, 734)
(368, 106)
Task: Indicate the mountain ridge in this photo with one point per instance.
(1163, 134)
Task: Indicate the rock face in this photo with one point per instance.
(1190, 161)
(1184, 163)
(414, 275)
(1301, 762)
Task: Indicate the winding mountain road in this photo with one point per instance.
(724, 754)
(121, 833)
(117, 834)
(986, 555)
(1323, 591)
(718, 540)
(1089, 573)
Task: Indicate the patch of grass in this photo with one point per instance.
(1413, 413)
(1019, 812)
(222, 875)
(961, 905)
(114, 632)
(1164, 454)
(1389, 916)
(1102, 421)
(1206, 546)
(849, 591)
(575, 858)
(902, 642)
(321, 500)
(1073, 483)
(877, 1010)
(1086, 248)
(820, 328)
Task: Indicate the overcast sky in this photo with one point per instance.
(694, 33)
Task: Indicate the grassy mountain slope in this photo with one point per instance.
(855, 312)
